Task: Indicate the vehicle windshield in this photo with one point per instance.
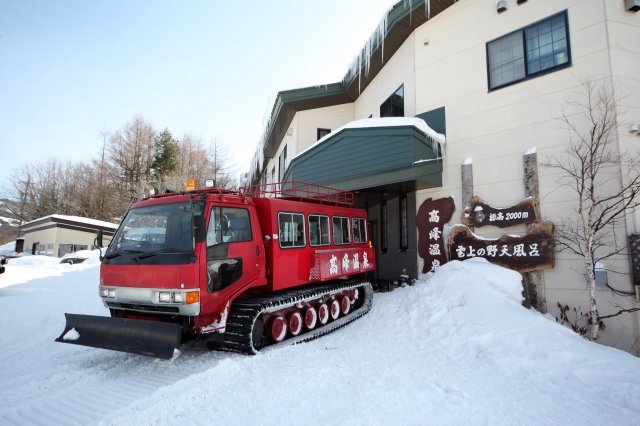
(163, 228)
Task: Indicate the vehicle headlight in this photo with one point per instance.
(178, 297)
(108, 292)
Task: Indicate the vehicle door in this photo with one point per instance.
(234, 255)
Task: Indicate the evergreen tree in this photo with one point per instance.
(166, 158)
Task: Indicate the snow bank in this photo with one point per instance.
(456, 348)
(27, 268)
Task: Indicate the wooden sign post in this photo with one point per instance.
(529, 252)
(431, 218)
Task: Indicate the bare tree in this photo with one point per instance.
(606, 184)
(43, 188)
(220, 170)
(130, 158)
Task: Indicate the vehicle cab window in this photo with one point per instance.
(228, 224)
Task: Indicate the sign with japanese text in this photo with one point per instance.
(431, 218)
(481, 214)
(526, 253)
(333, 263)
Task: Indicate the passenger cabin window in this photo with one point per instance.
(318, 230)
(359, 230)
(341, 230)
(528, 52)
(228, 224)
(394, 105)
(291, 230)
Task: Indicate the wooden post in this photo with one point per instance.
(533, 281)
(467, 184)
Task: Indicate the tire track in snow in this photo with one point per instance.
(99, 389)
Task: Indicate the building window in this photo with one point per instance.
(531, 51)
(282, 164)
(404, 227)
(341, 230)
(318, 230)
(383, 227)
(322, 133)
(291, 229)
(359, 230)
(394, 105)
(70, 248)
(45, 249)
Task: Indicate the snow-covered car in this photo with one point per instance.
(73, 259)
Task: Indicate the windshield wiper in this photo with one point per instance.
(168, 250)
(118, 253)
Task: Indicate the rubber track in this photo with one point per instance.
(244, 312)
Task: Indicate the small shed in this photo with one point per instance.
(57, 235)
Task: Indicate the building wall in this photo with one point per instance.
(494, 129)
(623, 33)
(398, 70)
(45, 236)
(309, 121)
(303, 132)
(56, 236)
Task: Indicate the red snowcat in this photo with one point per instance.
(233, 270)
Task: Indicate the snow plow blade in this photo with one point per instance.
(151, 338)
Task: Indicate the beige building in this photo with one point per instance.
(491, 79)
(57, 235)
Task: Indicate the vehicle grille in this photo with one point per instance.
(145, 308)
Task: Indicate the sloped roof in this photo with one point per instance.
(400, 22)
(69, 220)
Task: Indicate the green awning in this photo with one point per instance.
(360, 158)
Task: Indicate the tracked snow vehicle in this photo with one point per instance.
(239, 271)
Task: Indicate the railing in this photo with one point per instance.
(300, 191)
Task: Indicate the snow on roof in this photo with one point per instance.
(77, 219)
(364, 123)
(397, 121)
(9, 221)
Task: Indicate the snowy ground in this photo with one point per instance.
(456, 348)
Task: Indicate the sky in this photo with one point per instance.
(72, 70)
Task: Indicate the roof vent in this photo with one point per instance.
(632, 5)
(502, 6)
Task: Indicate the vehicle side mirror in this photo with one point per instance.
(199, 228)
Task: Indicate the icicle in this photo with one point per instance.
(364, 55)
(427, 5)
(359, 68)
(382, 32)
(404, 4)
